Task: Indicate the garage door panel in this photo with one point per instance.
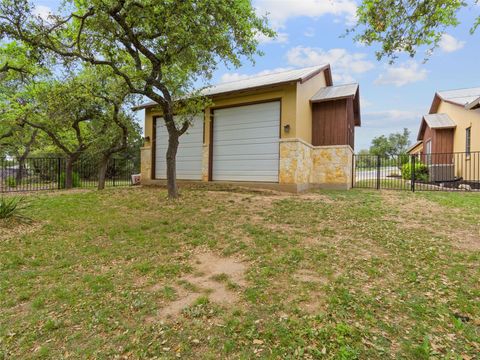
(246, 143)
(260, 177)
(189, 155)
(239, 151)
(271, 132)
(228, 165)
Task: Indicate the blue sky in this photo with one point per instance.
(392, 96)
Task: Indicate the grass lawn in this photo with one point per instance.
(124, 273)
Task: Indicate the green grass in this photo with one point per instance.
(391, 275)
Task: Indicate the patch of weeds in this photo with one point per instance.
(52, 324)
(98, 283)
(38, 303)
(327, 232)
(188, 286)
(200, 308)
(169, 293)
(222, 278)
(12, 209)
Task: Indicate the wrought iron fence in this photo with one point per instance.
(34, 174)
(424, 172)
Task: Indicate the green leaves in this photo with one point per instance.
(405, 25)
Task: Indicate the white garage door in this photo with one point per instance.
(189, 154)
(246, 143)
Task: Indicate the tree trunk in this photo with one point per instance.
(172, 165)
(23, 158)
(69, 173)
(102, 172)
(19, 175)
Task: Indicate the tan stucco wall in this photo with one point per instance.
(304, 110)
(315, 166)
(464, 119)
(464, 167)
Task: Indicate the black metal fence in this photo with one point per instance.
(36, 174)
(427, 172)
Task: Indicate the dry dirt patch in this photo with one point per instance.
(214, 276)
(423, 214)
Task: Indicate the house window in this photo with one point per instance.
(428, 151)
(468, 141)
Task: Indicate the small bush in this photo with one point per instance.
(421, 171)
(75, 180)
(12, 209)
(11, 181)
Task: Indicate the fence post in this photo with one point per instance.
(113, 173)
(59, 172)
(378, 172)
(413, 172)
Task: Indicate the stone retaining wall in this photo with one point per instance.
(315, 166)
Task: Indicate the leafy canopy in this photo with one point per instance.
(406, 25)
(391, 145)
(159, 48)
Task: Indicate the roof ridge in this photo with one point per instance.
(466, 88)
(316, 67)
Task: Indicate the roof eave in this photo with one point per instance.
(332, 99)
(473, 105)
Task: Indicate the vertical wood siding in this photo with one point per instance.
(330, 123)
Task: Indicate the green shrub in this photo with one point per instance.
(12, 209)
(75, 180)
(421, 171)
(10, 181)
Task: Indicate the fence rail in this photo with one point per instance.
(35, 174)
(420, 172)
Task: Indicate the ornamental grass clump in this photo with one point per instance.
(12, 209)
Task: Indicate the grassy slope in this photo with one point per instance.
(392, 280)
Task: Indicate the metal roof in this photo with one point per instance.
(256, 81)
(461, 96)
(475, 104)
(412, 147)
(335, 92)
(439, 121)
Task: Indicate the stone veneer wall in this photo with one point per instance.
(205, 159)
(146, 163)
(315, 166)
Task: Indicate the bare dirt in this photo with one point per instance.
(216, 277)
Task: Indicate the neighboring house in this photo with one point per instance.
(292, 129)
(449, 136)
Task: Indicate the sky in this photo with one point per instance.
(392, 97)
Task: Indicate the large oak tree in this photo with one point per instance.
(160, 48)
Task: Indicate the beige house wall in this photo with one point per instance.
(305, 92)
(466, 167)
(464, 119)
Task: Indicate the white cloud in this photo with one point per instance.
(42, 11)
(393, 117)
(279, 11)
(227, 77)
(403, 74)
(450, 44)
(344, 64)
(281, 38)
